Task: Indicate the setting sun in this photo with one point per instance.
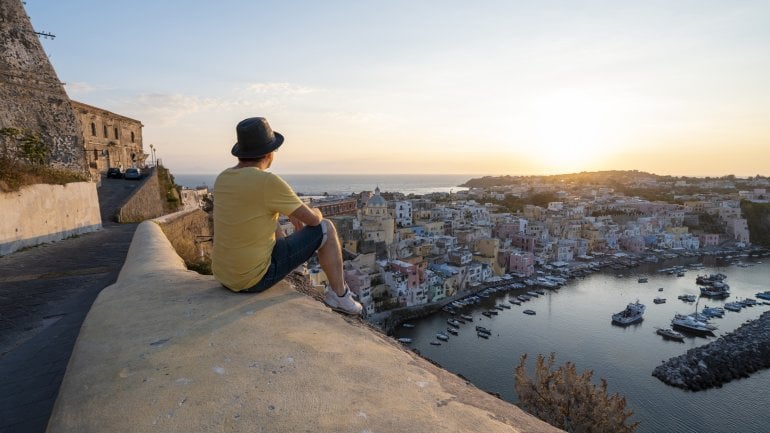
(571, 131)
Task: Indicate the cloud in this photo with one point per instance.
(168, 109)
(280, 89)
(79, 88)
(357, 117)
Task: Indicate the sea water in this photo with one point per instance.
(575, 323)
(344, 184)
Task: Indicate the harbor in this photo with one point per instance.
(575, 322)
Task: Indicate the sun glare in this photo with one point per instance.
(571, 132)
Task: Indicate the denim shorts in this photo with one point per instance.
(290, 252)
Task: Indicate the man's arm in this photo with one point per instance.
(306, 216)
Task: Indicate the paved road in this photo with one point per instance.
(45, 293)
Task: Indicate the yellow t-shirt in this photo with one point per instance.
(247, 202)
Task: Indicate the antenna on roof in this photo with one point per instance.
(45, 35)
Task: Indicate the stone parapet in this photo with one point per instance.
(165, 349)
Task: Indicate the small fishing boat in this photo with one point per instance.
(632, 314)
(483, 330)
(670, 334)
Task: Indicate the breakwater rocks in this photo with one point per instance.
(732, 356)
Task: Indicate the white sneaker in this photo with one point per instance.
(344, 304)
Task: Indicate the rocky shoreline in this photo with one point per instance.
(732, 356)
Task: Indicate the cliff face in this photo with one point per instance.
(33, 99)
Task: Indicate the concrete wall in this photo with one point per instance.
(167, 350)
(38, 214)
(33, 98)
(145, 202)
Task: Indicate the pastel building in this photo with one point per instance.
(522, 263)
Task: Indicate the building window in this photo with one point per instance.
(132, 136)
(96, 155)
(116, 133)
(93, 129)
(105, 131)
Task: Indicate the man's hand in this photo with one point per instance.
(298, 225)
(305, 215)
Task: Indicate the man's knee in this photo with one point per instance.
(328, 229)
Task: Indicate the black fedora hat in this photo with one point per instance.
(255, 138)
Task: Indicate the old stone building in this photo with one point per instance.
(35, 108)
(109, 139)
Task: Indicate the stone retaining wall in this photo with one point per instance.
(43, 213)
(144, 203)
(189, 232)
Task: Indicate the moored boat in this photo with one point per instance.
(407, 325)
(633, 313)
(687, 298)
(530, 312)
(467, 317)
(670, 334)
(483, 330)
(764, 295)
(690, 325)
(441, 336)
(514, 301)
(405, 340)
(659, 300)
(713, 311)
(452, 331)
(715, 292)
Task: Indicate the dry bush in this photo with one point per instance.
(16, 174)
(570, 401)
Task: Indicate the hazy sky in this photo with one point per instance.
(498, 87)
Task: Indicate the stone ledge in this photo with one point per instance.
(168, 350)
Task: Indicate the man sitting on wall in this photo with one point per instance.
(251, 253)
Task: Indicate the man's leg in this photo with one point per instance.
(338, 296)
(330, 259)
